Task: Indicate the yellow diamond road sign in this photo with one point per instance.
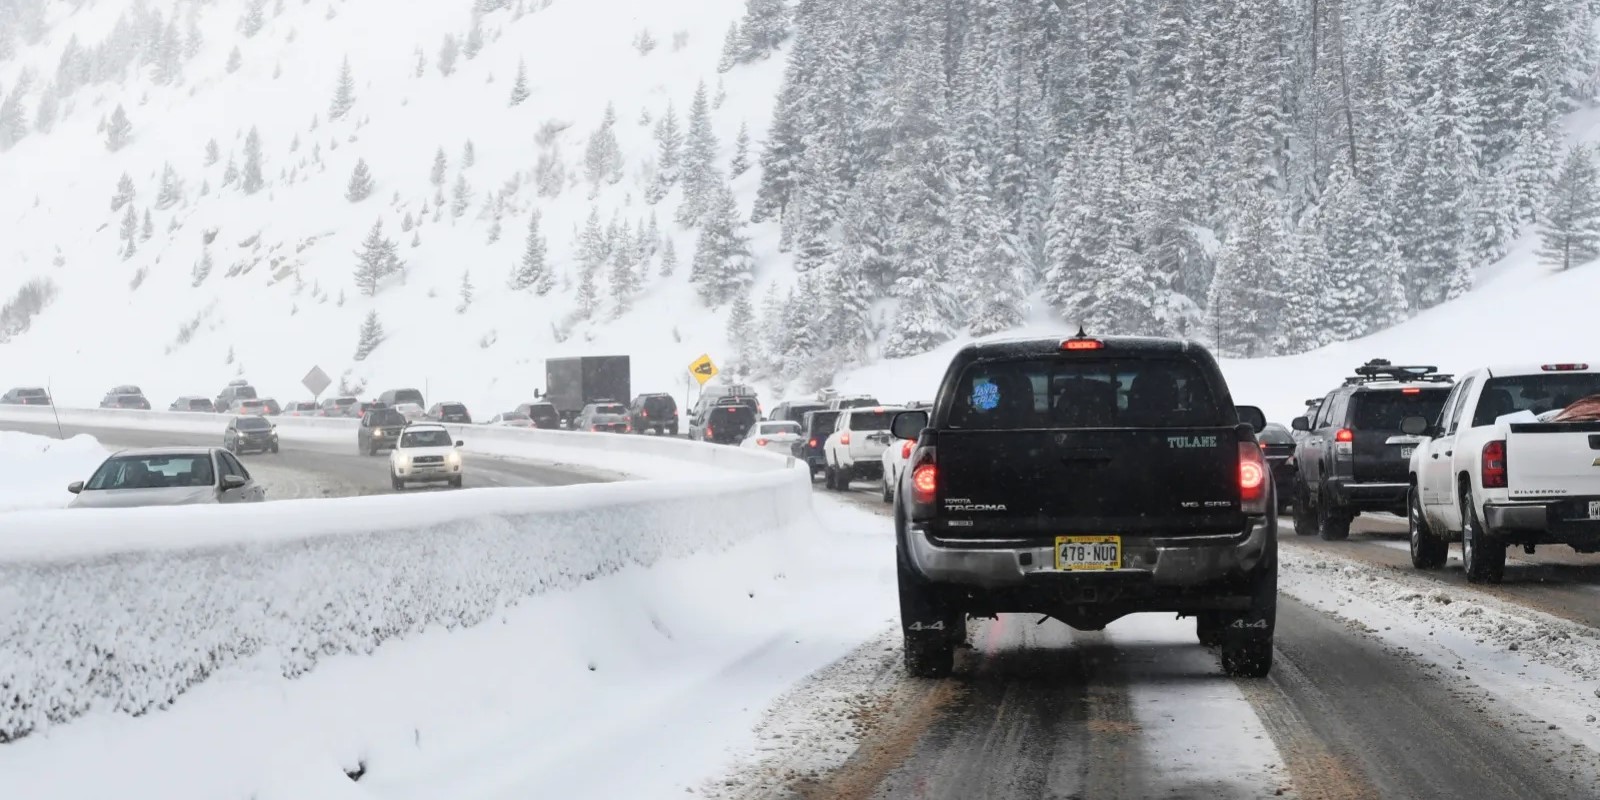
(703, 369)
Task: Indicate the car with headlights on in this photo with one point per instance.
(379, 430)
(167, 476)
(250, 435)
(425, 453)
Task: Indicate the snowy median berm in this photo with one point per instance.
(125, 610)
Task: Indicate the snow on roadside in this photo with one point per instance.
(35, 470)
(1543, 670)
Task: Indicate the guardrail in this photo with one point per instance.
(128, 609)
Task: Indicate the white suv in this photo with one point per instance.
(855, 450)
(425, 454)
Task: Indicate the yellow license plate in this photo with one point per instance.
(1083, 553)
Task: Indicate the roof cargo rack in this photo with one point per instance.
(1379, 370)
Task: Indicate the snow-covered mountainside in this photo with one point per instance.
(224, 277)
(446, 193)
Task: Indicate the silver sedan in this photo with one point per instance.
(167, 476)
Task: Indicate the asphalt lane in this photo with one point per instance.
(327, 469)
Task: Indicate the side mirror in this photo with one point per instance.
(460, 443)
(1252, 416)
(1301, 424)
(75, 487)
(231, 482)
(1414, 426)
(909, 424)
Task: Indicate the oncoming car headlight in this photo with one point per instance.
(402, 459)
(454, 458)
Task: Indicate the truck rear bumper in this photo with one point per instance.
(1564, 521)
(1203, 560)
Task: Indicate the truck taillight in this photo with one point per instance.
(924, 475)
(925, 482)
(1252, 479)
(1344, 435)
(1494, 465)
(812, 444)
(845, 438)
(761, 443)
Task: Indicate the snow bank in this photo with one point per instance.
(35, 470)
(125, 610)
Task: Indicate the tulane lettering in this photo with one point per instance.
(1190, 442)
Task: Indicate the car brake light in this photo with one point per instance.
(1345, 435)
(1252, 479)
(845, 439)
(1564, 367)
(1263, 447)
(1082, 344)
(1494, 465)
(1411, 390)
(595, 428)
(812, 444)
(925, 482)
(905, 449)
(644, 413)
(761, 442)
(710, 431)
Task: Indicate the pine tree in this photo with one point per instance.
(741, 152)
(130, 233)
(251, 182)
(377, 260)
(344, 94)
(1362, 290)
(765, 26)
(519, 89)
(371, 336)
(624, 279)
(461, 196)
(1569, 228)
(700, 176)
(448, 53)
(44, 117)
(119, 131)
(534, 270)
(466, 292)
(230, 173)
(669, 144)
(742, 331)
(360, 186)
(669, 258)
(124, 193)
(469, 155)
(235, 60)
(722, 265)
(254, 18)
(213, 154)
(13, 119)
(602, 157)
(734, 46)
(474, 43)
(773, 337)
(421, 63)
(202, 268)
(550, 171)
(148, 228)
(437, 174)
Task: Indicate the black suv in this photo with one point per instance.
(380, 429)
(26, 396)
(795, 412)
(450, 412)
(1085, 479)
(543, 415)
(727, 422)
(246, 434)
(815, 428)
(655, 412)
(1353, 457)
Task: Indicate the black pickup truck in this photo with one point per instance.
(1085, 479)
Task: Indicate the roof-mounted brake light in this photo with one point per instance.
(1411, 390)
(1564, 367)
(1082, 344)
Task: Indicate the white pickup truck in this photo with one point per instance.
(1504, 465)
(854, 451)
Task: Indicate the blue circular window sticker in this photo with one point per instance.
(985, 397)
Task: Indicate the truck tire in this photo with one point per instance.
(1247, 637)
(888, 492)
(841, 478)
(1332, 525)
(1427, 550)
(931, 629)
(1484, 559)
(455, 482)
(394, 481)
(1305, 524)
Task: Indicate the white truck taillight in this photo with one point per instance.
(1494, 465)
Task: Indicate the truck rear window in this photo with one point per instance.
(1075, 392)
(660, 405)
(1384, 410)
(1536, 393)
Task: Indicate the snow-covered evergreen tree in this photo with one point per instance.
(461, 196)
(360, 186)
(372, 335)
(624, 279)
(124, 194)
(1247, 294)
(437, 175)
(474, 42)
(742, 332)
(344, 93)
(235, 60)
(130, 233)
(251, 180)
(147, 229)
(734, 46)
(171, 188)
(669, 145)
(669, 258)
(230, 173)
(519, 89)
(534, 271)
(449, 51)
(465, 292)
(1569, 228)
(741, 152)
(469, 155)
(254, 17)
(213, 153)
(701, 179)
(1363, 283)
(378, 259)
(119, 131)
(765, 26)
(602, 157)
(722, 266)
(550, 171)
(202, 268)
